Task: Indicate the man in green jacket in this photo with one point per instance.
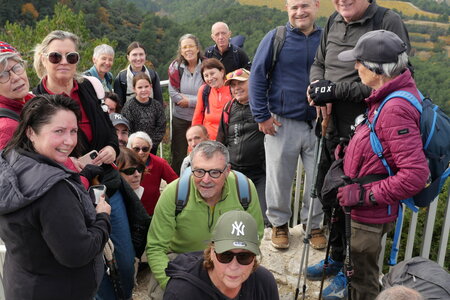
(213, 191)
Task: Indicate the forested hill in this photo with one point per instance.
(159, 23)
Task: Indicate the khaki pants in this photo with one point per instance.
(155, 292)
(365, 250)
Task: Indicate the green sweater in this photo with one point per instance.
(191, 229)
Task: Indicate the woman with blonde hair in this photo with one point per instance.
(55, 62)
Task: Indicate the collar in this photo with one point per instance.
(73, 90)
(296, 30)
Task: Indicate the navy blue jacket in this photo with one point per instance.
(285, 93)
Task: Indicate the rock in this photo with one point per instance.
(285, 264)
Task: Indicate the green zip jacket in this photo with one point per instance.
(191, 229)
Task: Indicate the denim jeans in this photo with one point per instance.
(123, 251)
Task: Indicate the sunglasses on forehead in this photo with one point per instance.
(243, 258)
(130, 171)
(237, 73)
(56, 57)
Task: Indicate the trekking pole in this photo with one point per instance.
(327, 252)
(113, 270)
(305, 253)
(348, 235)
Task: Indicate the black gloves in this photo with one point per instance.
(91, 171)
(322, 92)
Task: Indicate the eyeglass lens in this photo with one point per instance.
(17, 69)
(214, 173)
(243, 258)
(56, 57)
(132, 170)
(143, 149)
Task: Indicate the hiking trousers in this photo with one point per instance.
(365, 250)
(293, 139)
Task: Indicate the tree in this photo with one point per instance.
(25, 37)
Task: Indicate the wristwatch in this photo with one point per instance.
(372, 199)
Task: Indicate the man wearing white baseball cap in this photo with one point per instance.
(228, 268)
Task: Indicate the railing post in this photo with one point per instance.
(444, 234)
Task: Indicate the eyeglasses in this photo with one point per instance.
(185, 47)
(143, 149)
(17, 69)
(243, 258)
(238, 73)
(56, 57)
(130, 171)
(213, 173)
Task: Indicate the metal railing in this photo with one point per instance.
(425, 238)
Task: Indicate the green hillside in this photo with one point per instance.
(327, 8)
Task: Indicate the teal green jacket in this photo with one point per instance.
(191, 229)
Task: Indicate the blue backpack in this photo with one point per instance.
(435, 132)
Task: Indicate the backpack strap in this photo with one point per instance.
(277, 45)
(183, 189)
(236, 59)
(226, 111)
(243, 189)
(205, 95)
(378, 17)
(8, 113)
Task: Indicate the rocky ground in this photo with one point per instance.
(283, 264)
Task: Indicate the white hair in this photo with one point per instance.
(6, 56)
(142, 135)
(103, 49)
(399, 292)
(209, 148)
(389, 69)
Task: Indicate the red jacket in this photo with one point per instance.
(158, 168)
(398, 129)
(7, 125)
(217, 100)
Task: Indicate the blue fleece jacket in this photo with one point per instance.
(285, 93)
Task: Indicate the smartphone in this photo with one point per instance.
(88, 157)
(96, 191)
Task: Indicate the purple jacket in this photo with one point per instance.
(398, 129)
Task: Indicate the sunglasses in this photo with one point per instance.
(17, 69)
(237, 73)
(143, 149)
(56, 57)
(185, 47)
(243, 258)
(213, 173)
(132, 170)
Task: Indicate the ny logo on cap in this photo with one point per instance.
(239, 228)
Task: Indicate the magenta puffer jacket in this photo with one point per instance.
(398, 131)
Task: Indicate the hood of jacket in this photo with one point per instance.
(25, 177)
(189, 267)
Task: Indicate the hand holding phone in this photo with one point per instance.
(98, 193)
(88, 158)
